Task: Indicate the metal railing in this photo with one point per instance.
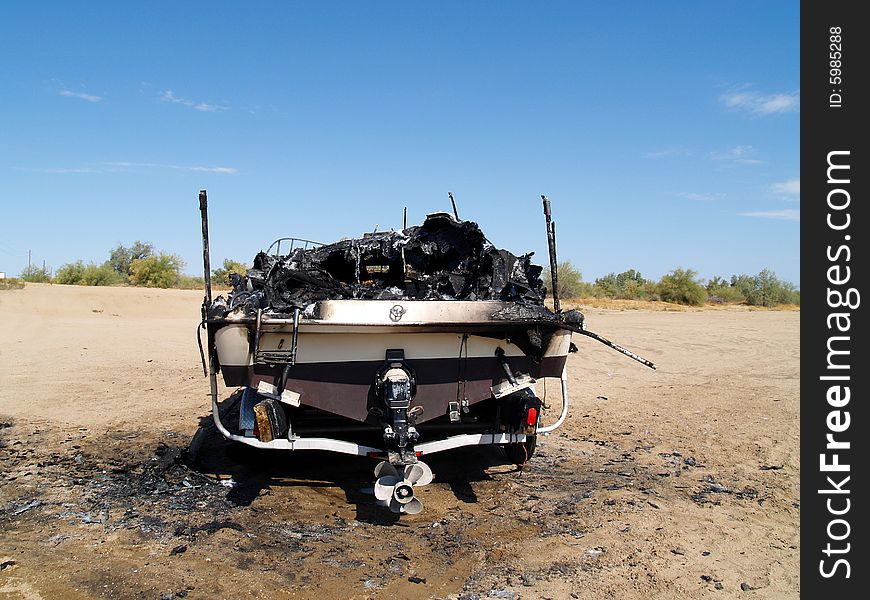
(294, 243)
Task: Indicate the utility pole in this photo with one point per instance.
(28, 262)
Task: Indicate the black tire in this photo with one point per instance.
(520, 453)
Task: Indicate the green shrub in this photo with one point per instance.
(628, 285)
(570, 280)
(719, 290)
(101, 275)
(630, 290)
(765, 289)
(79, 273)
(34, 274)
(70, 274)
(121, 258)
(585, 290)
(650, 291)
(745, 284)
(605, 287)
(160, 270)
(221, 276)
(682, 287)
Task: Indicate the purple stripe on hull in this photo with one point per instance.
(343, 388)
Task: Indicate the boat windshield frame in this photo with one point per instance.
(295, 243)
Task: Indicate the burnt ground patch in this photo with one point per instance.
(304, 523)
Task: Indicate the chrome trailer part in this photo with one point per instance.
(295, 442)
(564, 412)
(343, 447)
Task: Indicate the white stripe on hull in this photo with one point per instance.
(339, 345)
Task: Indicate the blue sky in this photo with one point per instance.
(665, 134)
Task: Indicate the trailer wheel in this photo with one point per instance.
(521, 452)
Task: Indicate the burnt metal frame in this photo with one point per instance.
(293, 240)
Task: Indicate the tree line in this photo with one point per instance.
(142, 265)
(680, 286)
(139, 265)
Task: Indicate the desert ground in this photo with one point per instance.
(676, 483)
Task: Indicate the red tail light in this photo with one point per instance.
(532, 417)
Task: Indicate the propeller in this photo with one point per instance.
(396, 489)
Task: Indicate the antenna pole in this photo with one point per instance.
(206, 261)
(453, 203)
(551, 246)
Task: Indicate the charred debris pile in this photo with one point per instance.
(442, 259)
(445, 258)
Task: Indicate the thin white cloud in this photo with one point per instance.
(58, 170)
(758, 103)
(787, 214)
(80, 96)
(73, 170)
(669, 153)
(792, 187)
(169, 96)
(114, 167)
(699, 197)
(743, 154)
(197, 168)
(738, 151)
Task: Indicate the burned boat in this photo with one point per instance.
(394, 345)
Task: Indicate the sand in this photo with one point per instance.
(680, 482)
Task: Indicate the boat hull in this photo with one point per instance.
(339, 355)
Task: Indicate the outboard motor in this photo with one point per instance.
(396, 477)
(396, 387)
